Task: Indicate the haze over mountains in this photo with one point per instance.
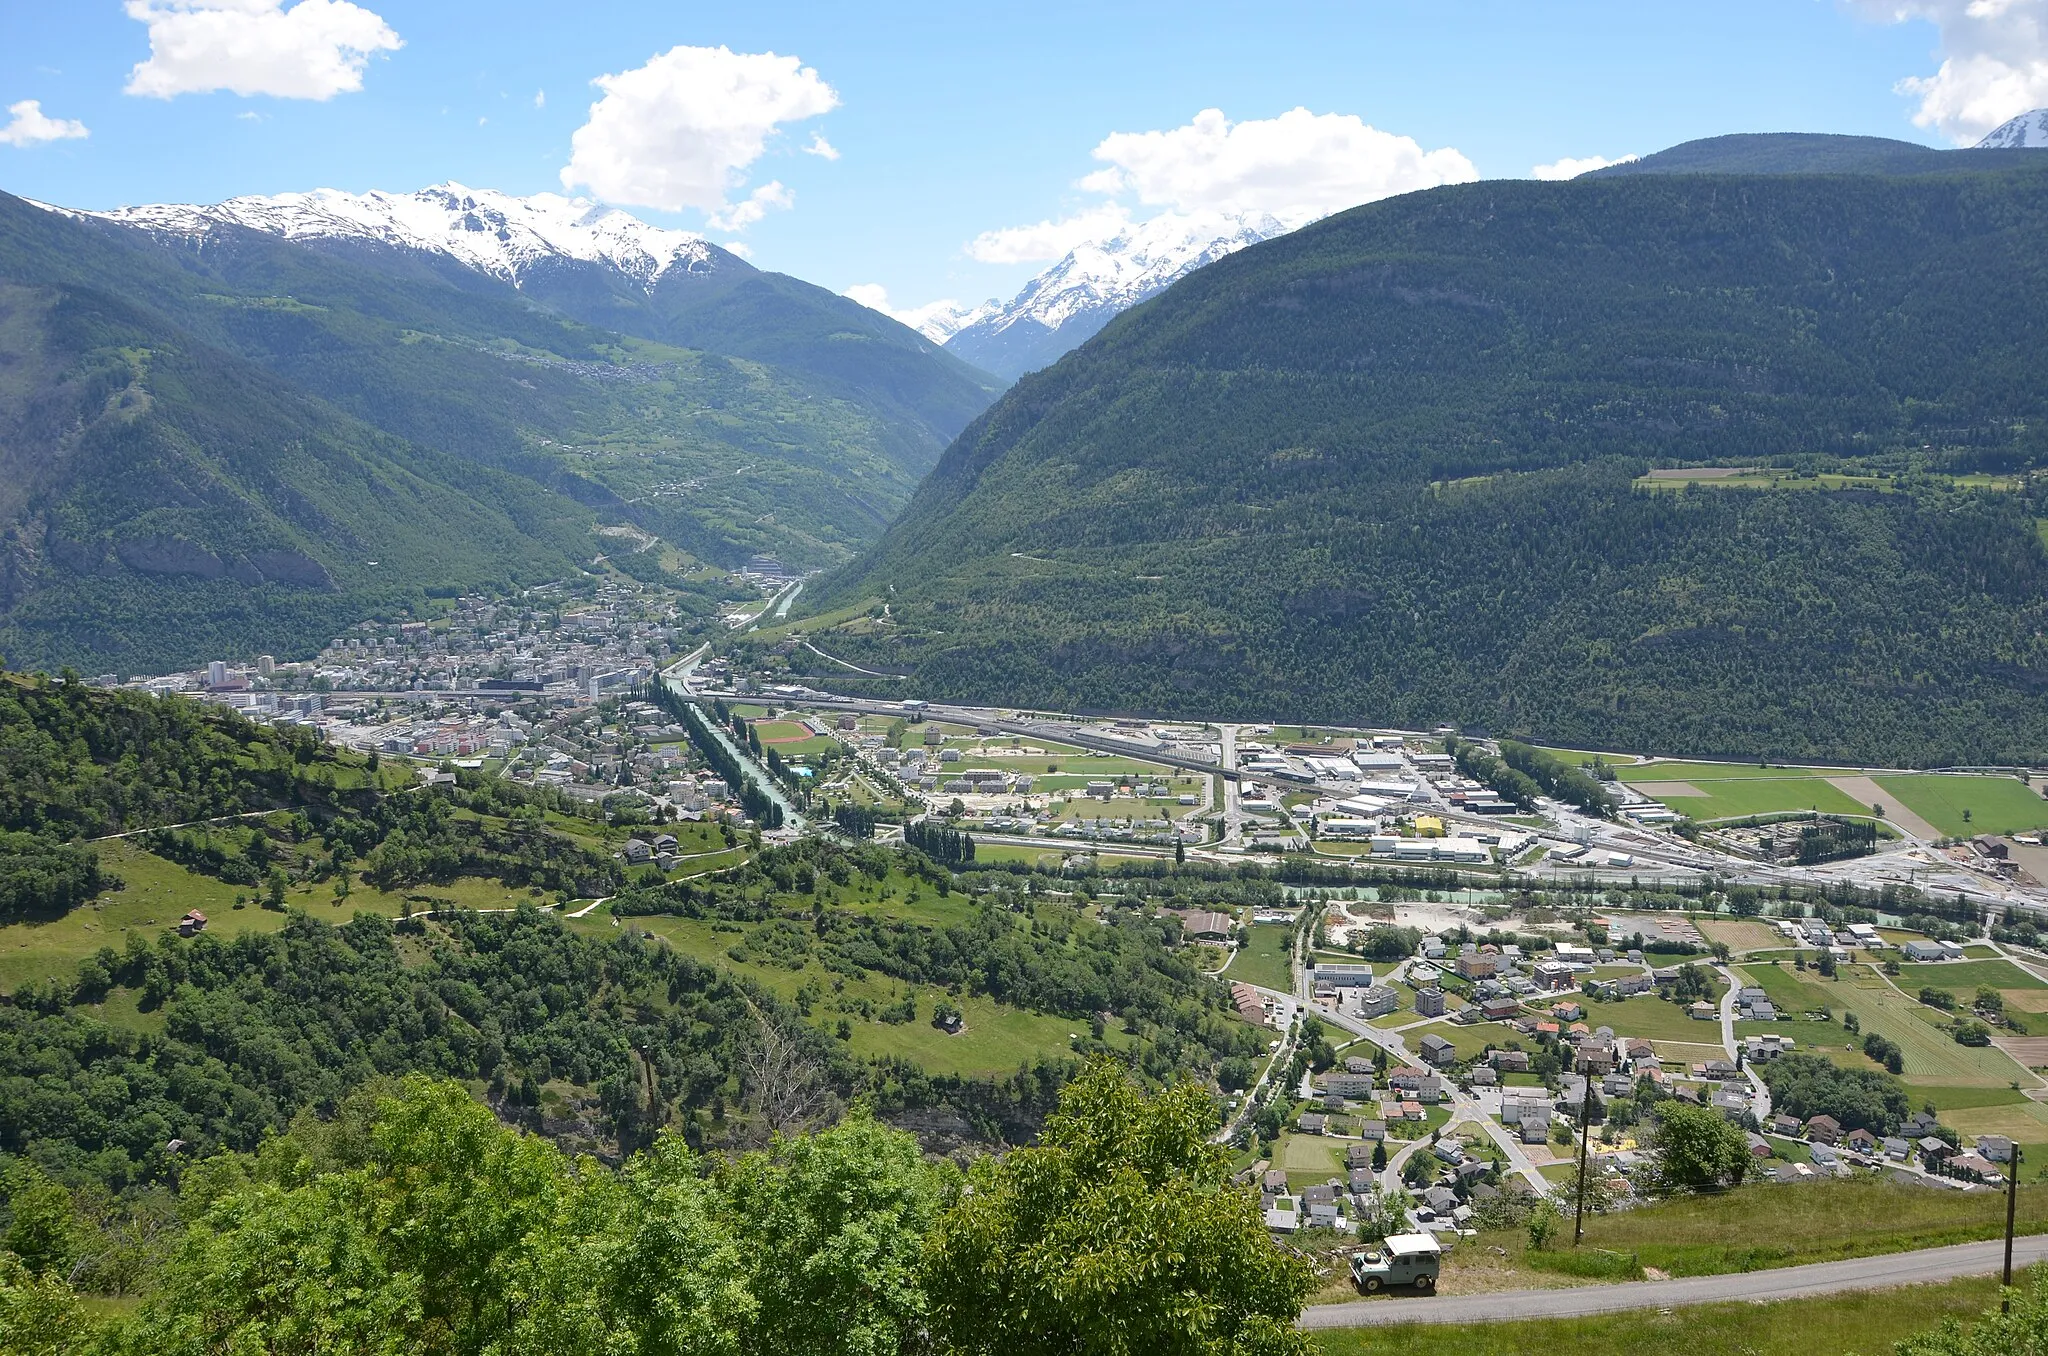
(1390, 463)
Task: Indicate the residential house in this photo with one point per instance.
(1996, 1148)
(1509, 1061)
(1730, 1103)
(1860, 1141)
(1378, 1001)
(1499, 1009)
(1437, 1051)
(1789, 1126)
(1896, 1148)
(1422, 1084)
(1824, 1130)
(1972, 1167)
(1429, 1002)
(1357, 1156)
(1703, 1011)
(1933, 1150)
(1274, 1183)
(1347, 1084)
(1372, 1130)
(1478, 967)
(1484, 1077)
(1314, 1123)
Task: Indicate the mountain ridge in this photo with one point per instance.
(1383, 469)
(1067, 304)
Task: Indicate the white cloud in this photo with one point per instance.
(1569, 168)
(752, 208)
(1298, 166)
(1994, 61)
(28, 125)
(314, 50)
(540, 98)
(821, 147)
(738, 247)
(681, 131)
(1050, 239)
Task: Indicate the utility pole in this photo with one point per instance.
(1585, 1126)
(2012, 1195)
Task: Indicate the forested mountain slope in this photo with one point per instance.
(1385, 469)
(1812, 153)
(176, 412)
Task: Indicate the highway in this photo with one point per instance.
(1819, 1278)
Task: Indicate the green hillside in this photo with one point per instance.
(1381, 470)
(170, 417)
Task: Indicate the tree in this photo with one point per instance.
(39, 1314)
(1118, 1234)
(1379, 1156)
(1698, 1148)
(831, 1226)
(44, 1230)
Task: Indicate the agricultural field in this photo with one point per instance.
(1653, 1019)
(1993, 804)
(1760, 478)
(1930, 1054)
(1709, 798)
(1965, 977)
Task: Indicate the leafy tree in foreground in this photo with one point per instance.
(39, 1315)
(1698, 1148)
(1119, 1234)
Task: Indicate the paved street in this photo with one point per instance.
(1821, 1278)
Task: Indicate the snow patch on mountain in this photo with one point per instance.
(1062, 307)
(2027, 131)
(494, 233)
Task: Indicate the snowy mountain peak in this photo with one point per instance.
(1064, 306)
(2027, 131)
(491, 232)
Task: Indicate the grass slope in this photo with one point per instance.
(1838, 1325)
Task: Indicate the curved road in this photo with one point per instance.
(1819, 1278)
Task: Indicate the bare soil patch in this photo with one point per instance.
(1660, 790)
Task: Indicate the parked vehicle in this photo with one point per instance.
(1401, 1259)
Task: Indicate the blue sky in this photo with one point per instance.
(943, 123)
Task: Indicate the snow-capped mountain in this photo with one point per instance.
(493, 233)
(1064, 306)
(2027, 131)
